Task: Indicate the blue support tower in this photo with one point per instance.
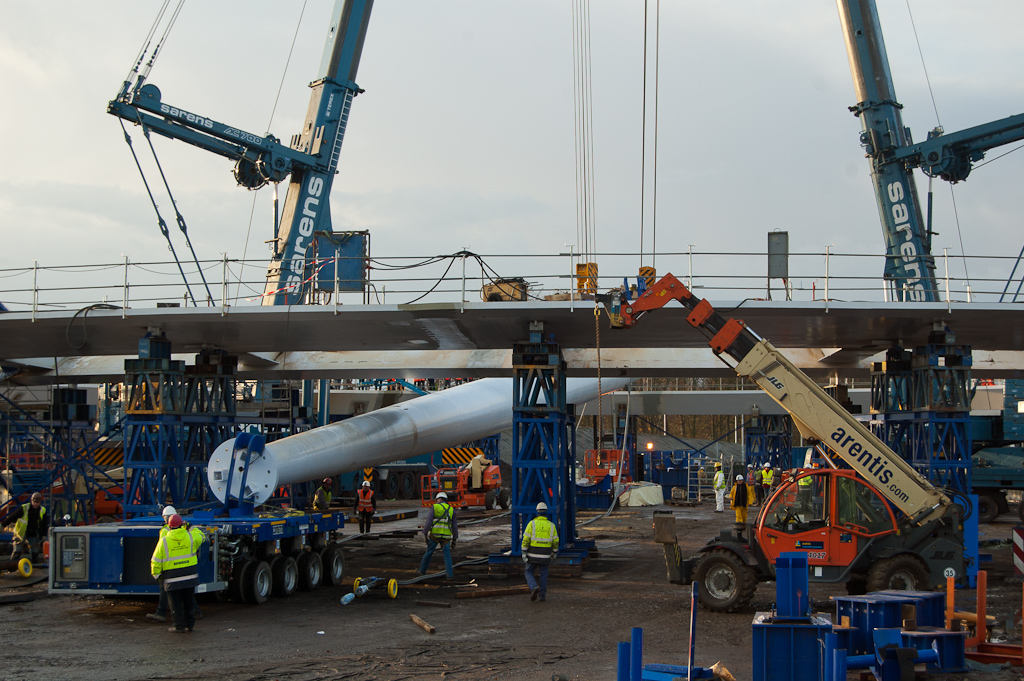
(542, 447)
(769, 439)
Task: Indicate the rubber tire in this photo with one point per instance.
(988, 509)
(333, 562)
(311, 571)
(285, 572)
(25, 567)
(902, 573)
(355, 586)
(740, 581)
(504, 498)
(391, 486)
(392, 588)
(257, 588)
(407, 486)
(489, 499)
(239, 579)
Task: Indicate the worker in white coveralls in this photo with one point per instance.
(719, 484)
(540, 546)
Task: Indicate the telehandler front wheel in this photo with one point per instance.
(726, 582)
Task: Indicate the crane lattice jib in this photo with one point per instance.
(817, 415)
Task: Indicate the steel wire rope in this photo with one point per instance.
(657, 89)
(938, 122)
(160, 218)
(147, 41)
(273, 112)
(178, 217)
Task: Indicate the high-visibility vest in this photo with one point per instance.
(21, 524)
(540, 540)
(442, 527)
(767, 476)
(176, 558)
(805, 481)
(719, 481)
(365, 504)
(321, 500)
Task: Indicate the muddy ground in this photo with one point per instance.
(312, 636)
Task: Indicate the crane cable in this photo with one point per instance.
(160, 218)
(583, 129)
(273, 111)
(643, 138)
(938, 122)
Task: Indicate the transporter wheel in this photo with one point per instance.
(504, 498)
(489, 499)
(1020, 511)
(285, 572)
(902, 573)
(311, 571)
(391, 486)
(333, 565)
(239, 576)
(726, 582)
(256, 590)
(407, 485)
(988, 508)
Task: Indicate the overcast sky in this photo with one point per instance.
(464, 135)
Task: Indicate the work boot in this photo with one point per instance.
(154, 616)
(176, 630)
(534, 593)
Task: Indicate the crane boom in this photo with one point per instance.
(817, 415)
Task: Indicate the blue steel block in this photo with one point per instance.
(950, 645)
(866, 613)
(670, 672)
(791, 586)
(796, 649)
(930, 605)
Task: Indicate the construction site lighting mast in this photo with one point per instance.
(310, 159)
(909, 266)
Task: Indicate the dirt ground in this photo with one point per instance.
(573, 635)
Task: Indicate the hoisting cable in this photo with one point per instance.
(938, 122)
(600, 398)
(178, 217)
(134, 71)
(643, 139)
(273, 110)
(159, 217)
(156, 50)
(657, 82)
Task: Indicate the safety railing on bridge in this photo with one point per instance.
(465, 277)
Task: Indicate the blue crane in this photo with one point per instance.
(910, 266)
(309, 161)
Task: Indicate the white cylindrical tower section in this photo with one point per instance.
(425, 424)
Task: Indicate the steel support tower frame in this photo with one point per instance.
(769, 439)
(543, 456)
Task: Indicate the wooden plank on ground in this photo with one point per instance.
(485, 593)
(434, 604)
(423, 625)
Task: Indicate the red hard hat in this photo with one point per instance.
(175, 522)
(327, 482)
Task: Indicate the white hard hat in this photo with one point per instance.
(542, 507)
(169, 511)
(739, 478)
(441, 495)
(767, 465)
(366, 483)
(750, 465)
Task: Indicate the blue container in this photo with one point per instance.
(795, 649)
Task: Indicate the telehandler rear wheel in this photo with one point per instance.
(726, 582)
(902, 573)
